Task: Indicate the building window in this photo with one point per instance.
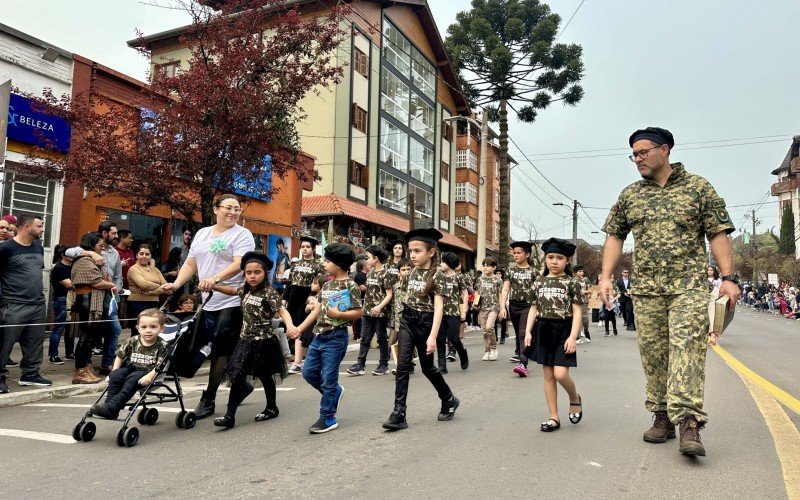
(422, 115)
(394, 96)
(496, 200)
(444, 211)
(423, 74)
(396, 48)
(361, 62)
(420, 164)
(445, 171)
(359, 174)
(423, 202)
(467, 223)
(392, 192)
(466, 159)
(467, 192)
(169, 69)
(35, 196)
(447, 131)
(497, 232)
(394, 146)
(359, 119)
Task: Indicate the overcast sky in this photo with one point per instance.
(721, 75)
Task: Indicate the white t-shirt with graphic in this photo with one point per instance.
(213, 253)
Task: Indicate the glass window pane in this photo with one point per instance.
(394, 146)
(394, 96)
(423, 74)
(396, 48)
(420, 164)
(392, 192)
(422, 117)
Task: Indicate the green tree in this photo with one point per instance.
(786, 244)
(507, 57)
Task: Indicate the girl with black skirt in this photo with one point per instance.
(554, 321)
(419, 325)
(454, 312)
(296, 293)
(258, 352)
(515, 299)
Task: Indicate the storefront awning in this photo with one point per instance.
(331, 205)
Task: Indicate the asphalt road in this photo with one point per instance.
(493, 447)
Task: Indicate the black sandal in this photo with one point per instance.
(267, 414)
(548, 427)
(576, 417)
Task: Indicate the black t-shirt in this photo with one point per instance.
(21, 272)
(59, 273)
(360, 279)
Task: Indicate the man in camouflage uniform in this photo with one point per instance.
(669, 212)
(585, 284)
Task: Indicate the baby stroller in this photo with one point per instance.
(179, 335)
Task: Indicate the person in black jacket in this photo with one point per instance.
(625, 302)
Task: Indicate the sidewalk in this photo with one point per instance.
(61, 375)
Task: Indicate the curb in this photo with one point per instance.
(62, 392)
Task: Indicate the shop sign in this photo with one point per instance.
(31, 126)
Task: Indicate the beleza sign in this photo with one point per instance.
(31, 126)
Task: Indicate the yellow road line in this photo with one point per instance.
(784, 434)
(776, 392)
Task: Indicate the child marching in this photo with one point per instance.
(583, 281)
(258, 352)
(339, 305)
(377, 297)
(517, 295)
(487, 302)
(297, 291)
(419, 326)
(398, 290)
(454, 312)
(554, 322)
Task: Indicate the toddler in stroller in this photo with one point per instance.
(135, 364)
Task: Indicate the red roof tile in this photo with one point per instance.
(331, 204)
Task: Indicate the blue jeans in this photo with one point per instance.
(111, 339)
(59, 316)
(321, 367)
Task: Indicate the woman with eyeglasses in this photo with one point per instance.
(215, 256)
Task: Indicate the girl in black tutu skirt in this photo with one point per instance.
(258, 352)
(554, 322)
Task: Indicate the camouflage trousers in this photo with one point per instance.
(672, 332)
(585, 317)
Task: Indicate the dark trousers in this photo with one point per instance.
(415, 327)
(518, 311)
(371, 326)
(122, 385)
(501, 325)
(28, 331)
(450, 329)
(88, 331)
(60, 316)
(627, 313)
(240, 386)
(610, 317)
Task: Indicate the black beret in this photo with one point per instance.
(340, 254)
(656, 134)
(559, 246)
(398, 242)
(428, 235)
(314, 242)
(525, 245)
(257, 257)
(451, 260)
(378, 252)
(577, 268)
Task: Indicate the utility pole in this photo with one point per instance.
(575, 231)
(483, 189)
(755, 276)
(412, 211)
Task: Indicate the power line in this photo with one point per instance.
(540, 172)
(570, 19)
(537, 197)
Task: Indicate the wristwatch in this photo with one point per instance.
(216, 278)
(730, 277)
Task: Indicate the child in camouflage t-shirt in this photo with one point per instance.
(554, 322)
(488, 288)
(339, 305)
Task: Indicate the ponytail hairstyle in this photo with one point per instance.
(436, 259)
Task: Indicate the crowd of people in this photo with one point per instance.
(783, 299)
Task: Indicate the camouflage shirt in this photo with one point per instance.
(393, 273)
(325, 323)
(453, 287)
(142, 357)
(305, 271)
(669, 227)
(377, 284)
(258, 309)
(416, 282)
(398, 292)
(554, 296)
(521, 280)
(489, 290)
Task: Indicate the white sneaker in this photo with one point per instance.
(493, 355)
(486, 356)
(579, 341)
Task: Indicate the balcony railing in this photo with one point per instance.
(784, 186)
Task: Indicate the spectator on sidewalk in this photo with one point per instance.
(4, 225)
(22, 305)
(146, 283)
(60, 284)
(113, 267)
(126, 256)
(187, 243)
